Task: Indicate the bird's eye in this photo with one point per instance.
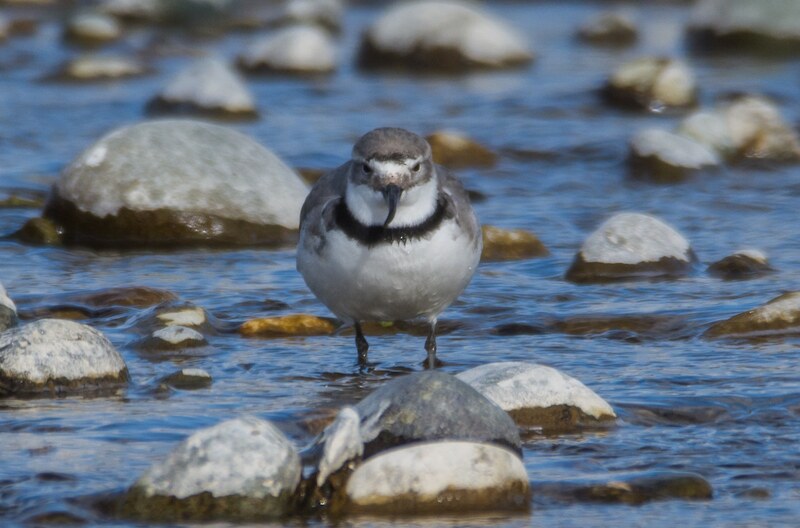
(366, 168)
(416, 167)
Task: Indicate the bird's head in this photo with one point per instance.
(392, 180)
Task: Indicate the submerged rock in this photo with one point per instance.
(439, 477)
(455, 150)
(99, 68)
(53, 357)
(188, 379)
(180, 12)
(631, 246)
(635, 489)
(288, 325)
(448, 36)
(92, 29)
(744, 264)
(780, 316)
(173, 337)
(8, 310)
(652, 83)
(765, 26)
(299, 49)
(665, 157)
(610, 29)
(536, 395)
(510, 244)
(243, 469)
(40, 231)
(209, 87)
(177, 183)
(324, 13)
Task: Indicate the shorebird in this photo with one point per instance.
(388, 236)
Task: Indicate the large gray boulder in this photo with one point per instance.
(242, 469)
(451, 36)
(631, 246)
(53, 356)
(177, 183)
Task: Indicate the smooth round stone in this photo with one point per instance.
(302, 49)
(744, 264)
(208, 86)
(52, 356)
(665, 157)
(609, 28)
(510, 244)
(652, 83)
(8, 310)
(428, 406)
(174, 337)
(92, 29)
(780, 316)
(449, 36)
(240, 469)
(631, 246)
(188, 379)
(324, 13)
(177, 183)
(455, 150)
(536, 395)
(287, 326)
(438, 477)
(100, 68)
(765, 26)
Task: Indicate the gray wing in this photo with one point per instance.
(460, 204)
(329, 187)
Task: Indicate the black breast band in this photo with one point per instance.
(373, 235)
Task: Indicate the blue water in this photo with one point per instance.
(726, 410)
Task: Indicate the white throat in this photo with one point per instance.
(416, 205)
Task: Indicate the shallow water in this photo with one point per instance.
(726, 410)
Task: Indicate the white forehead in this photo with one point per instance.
(393, 165)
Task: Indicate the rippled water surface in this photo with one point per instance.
(726, 410)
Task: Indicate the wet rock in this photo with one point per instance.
(647, 488)
(664, 157)
(745, 127)
(652, 83)
(178, 12)
(177, 183)
(297, 50)
(628, 327)
(441, 36)
(439, 477)
(631, 246)
(8, 310)
(341, 443)
(40, 231)
(21, 202)
(53, 357)
(207, 87)
(455, 150)
(91, 29)
(324, 13)
(243, 469)
(140, 10)
(767, 26)
(536, 395)
(288, 325)
(510, 244)
(780, 316)
(99, 68)
(173, 337)
(609, 29)
(188, 379)
(127, 296)
(744, 264)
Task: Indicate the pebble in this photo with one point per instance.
(177, 183)
(288, 325)
(243, 469)
(53, 357)
(207, 87)
(439, 477)
(449, 36)
(664, 157)
(631, 246)
(537, 395)
(99, 68)
(611, 28)
(652, 83)
(300, 49)
(510, 244)
(455, 150)
(780, 316)
(188, 379)
(744, 264)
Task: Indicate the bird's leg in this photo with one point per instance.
(361, 345)
(430, 347)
